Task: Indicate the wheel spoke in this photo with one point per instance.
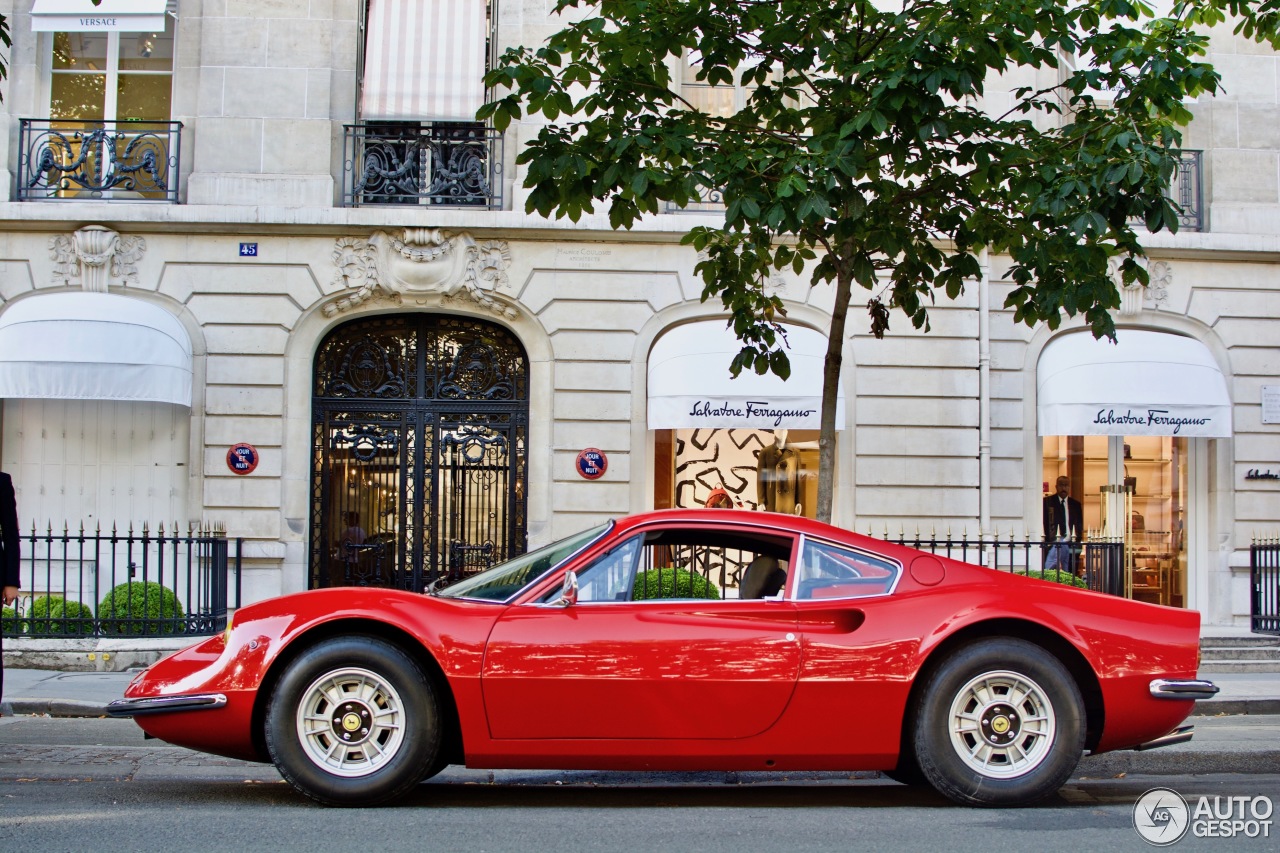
(324, 723)
(1002, 724)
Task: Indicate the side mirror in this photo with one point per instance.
(568, 592)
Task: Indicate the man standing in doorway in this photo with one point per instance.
(1063, 525)
(9, 554)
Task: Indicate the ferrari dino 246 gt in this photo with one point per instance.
(688, 640)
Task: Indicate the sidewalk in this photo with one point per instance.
(1236, 732)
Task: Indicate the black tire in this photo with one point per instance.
(1019, 724)
(374, 729)
(908, 771)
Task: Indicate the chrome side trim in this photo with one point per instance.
(1182, 688)
(166, 704)
(1182, 734)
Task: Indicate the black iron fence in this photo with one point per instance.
(1096, 564)
(96, 584)
(112, 160)
(458, 164)
(1264, 579)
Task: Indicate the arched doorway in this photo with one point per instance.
(419, 433)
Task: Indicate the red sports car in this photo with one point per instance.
(688, 640)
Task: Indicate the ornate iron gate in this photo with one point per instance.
(419, 435)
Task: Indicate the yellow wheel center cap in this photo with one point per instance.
(1000, 725)
(351, 722)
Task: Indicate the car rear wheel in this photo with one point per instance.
(1001, 723)
(353, 721)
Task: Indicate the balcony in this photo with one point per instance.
(105, 160)
(457, 164)
(1184, 189)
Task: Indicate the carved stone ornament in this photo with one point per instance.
(1135, 297)
(93, 256)
(420, 261)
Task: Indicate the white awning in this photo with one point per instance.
(119, 16)
(1149, 383)
(424, 59)
(690, 385)
(93, 346)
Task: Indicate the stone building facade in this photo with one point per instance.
(428, 363)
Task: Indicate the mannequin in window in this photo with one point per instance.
(777, 466)
(1063, 526)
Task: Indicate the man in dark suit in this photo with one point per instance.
(1063, 525)
(9, 552)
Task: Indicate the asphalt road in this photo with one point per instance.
(96, 785)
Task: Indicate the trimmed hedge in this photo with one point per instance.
(1059, 576)
(669, 582)
(9, 622)
(56, 615)
(125, 607)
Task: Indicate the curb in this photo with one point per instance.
(1220, 707)
(52, 708)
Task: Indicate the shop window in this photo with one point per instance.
(774, 470)
(109, 130)
(1132, 489)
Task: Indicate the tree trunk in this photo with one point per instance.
(827, 472)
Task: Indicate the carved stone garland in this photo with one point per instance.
(94, 255)
(1134, 297)
(420, 261)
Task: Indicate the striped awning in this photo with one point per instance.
(424, 60)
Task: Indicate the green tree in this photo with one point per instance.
(864, 152)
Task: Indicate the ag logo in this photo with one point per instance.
(1161, 816)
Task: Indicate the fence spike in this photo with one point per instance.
(49, 527)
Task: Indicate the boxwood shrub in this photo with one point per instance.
(670, 582)
(10, 624)
(59, 616)
(1059, 576)
(125, 608)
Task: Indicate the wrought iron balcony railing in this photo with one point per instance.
(447, 163)
(112, 160)
(1185, 189)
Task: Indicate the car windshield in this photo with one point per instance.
(506, 579)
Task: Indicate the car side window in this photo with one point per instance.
(687, 564)
(609, 577)
(829, 571)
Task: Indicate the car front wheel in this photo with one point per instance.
(353, 721)
(1000, 723)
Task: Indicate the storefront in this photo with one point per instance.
(98, 409)
(754, 437)
(1128, 424)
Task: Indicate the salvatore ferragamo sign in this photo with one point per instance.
(1161, 421)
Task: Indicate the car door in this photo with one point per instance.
(610, 667)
